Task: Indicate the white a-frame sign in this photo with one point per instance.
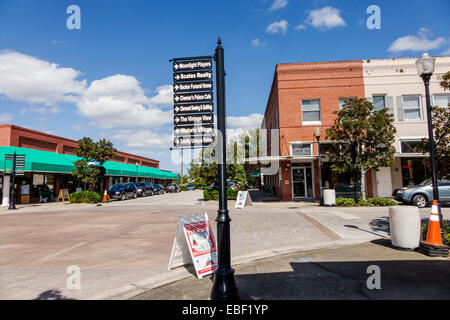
(194, 244)
(243, 199)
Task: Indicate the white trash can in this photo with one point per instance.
(404, 225)
(329, 197)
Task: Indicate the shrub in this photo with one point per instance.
(85, 197)
(345, 202)
(382, 202)
(214, 194)
(364, 203)
(184, 188)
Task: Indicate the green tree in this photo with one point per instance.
(90, 151)
(445, 83)
(362, 139)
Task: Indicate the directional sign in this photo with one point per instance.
(192, 76)
(192, 97)
(194, 130)
(192, 65)
(193, 102)
(193, 119)
(193, 86)
(193, 108)
(187, 142)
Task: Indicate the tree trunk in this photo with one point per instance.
(363, 184)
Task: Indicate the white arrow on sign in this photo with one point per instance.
(177, 77)
(176, 87)
(177, 109)
(176, 98)
(176, 66)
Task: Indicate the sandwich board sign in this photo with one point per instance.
(243, 199)
(64, 196)
(194, 244)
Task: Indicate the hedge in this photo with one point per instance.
(85, 197)
(371, 202)
(214, 194)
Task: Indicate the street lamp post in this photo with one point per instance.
(12, 198)
(317, 134)
(224, 287)
(425, 68)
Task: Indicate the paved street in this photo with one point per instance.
(123, 248)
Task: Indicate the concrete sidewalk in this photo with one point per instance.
(335, 273)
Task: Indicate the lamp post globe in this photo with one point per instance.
(425, 65)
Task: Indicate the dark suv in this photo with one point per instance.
(173, 187)
(144, 189)
(158, 189)
(123, 191)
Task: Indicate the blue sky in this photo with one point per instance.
(112, 77)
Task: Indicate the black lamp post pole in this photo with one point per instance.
(224, 287)
(426, 81)
(320, 171)
(12, 198)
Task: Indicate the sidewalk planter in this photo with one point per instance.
(329, 197)
(404, 224)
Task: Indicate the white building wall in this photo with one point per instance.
(395, 78)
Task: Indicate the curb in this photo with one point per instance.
(131, 290)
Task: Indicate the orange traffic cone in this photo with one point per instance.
(105, 197)
(434, 229)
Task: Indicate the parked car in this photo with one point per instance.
(123, 191)
(422, 194)
(144, 189)
(190, 187)
(158, 189)
(173, 187)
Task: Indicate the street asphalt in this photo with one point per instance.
(123, 248)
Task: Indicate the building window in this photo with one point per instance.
(379, 102)
(311, 110)
(441, 100)
(301, 149)
(412, 146)
(411, 107)
(342, 101)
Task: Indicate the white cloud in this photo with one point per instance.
(26, 78)
(325, 18)
(115, 101)
(258, 43)
(300, 27)
(245, 122)
(278, 4)
(278, 27)
(419, 42)
(164, 96)
(5, 117)
(144, 138)
(119, 101)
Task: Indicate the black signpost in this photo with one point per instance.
(18, 168)
(193, 126)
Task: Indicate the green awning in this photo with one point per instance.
(39, 161)
(51, 162)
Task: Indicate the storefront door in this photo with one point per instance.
(299, 182)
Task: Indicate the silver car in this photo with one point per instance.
(422, 194)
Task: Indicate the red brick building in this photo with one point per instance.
(303, 97)
(123, 167)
